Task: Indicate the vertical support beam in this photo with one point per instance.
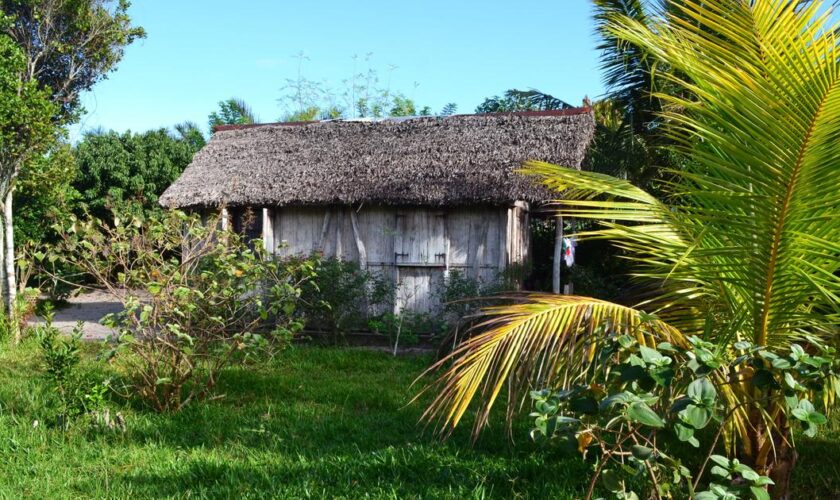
(322, 241)
(268, 231)
(446, 246)
(276, 221)
(360, 245)
(504, 225)
(339, 221)
(225, 219)
(558, 256)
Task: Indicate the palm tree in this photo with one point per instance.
(629, 140)
(190, 133)
(746, 245)
(233, 111)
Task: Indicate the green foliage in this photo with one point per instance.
(521, 100)
(449, 109)
(70, 44)
(312, 113)
(630, 140)
(232, 112)
(196, 299)
(44, 195)
(461, 294)
(6, 331)
(116, 168)
(52, 51)
(405, 328)
(77, 394)
(26, 113)
(403, 106)
(637, 392)
(343, 296)
(190, 133)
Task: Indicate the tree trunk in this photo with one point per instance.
(781, 471)
(3, 281)
(773, 454)
(9, 275)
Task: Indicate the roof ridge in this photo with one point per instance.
(553, 112)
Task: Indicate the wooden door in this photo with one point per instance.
(420, 257)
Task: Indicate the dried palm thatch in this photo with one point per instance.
(432, 161)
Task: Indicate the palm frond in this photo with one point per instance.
(538, 341)
(762, 132)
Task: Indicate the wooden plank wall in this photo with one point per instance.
(415, 247)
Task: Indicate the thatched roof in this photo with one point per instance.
(455, 160)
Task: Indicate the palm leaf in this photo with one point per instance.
(535, 342)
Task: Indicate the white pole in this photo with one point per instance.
(558, 257)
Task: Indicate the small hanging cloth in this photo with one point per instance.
(569, 251)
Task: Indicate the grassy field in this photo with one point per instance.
(317, 422)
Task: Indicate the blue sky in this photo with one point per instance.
(200, 52)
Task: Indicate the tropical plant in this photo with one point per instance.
(629, 136)
(641, 400)
(746, 246)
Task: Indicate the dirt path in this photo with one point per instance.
(88, 308)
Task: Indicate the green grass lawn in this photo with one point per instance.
(316, 422)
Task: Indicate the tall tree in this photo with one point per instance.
(745, 247)
(629, 139)
(66, 47)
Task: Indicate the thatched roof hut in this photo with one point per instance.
(413, 198)
(430, 161)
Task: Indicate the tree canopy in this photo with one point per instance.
(233, 111)
(69, 45)
(115, 168)
(521, 100)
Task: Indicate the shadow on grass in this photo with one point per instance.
(262, 411)
(817, 473)
(419, 471)
(324, 422)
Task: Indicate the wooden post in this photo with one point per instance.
(268, 231)
(225, 219)
(558, 257)
(322, 241)
(360, 245)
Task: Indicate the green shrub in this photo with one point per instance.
(342, 296)
(642, 401)
(405, 328)
(76, 393)
(196, 299)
